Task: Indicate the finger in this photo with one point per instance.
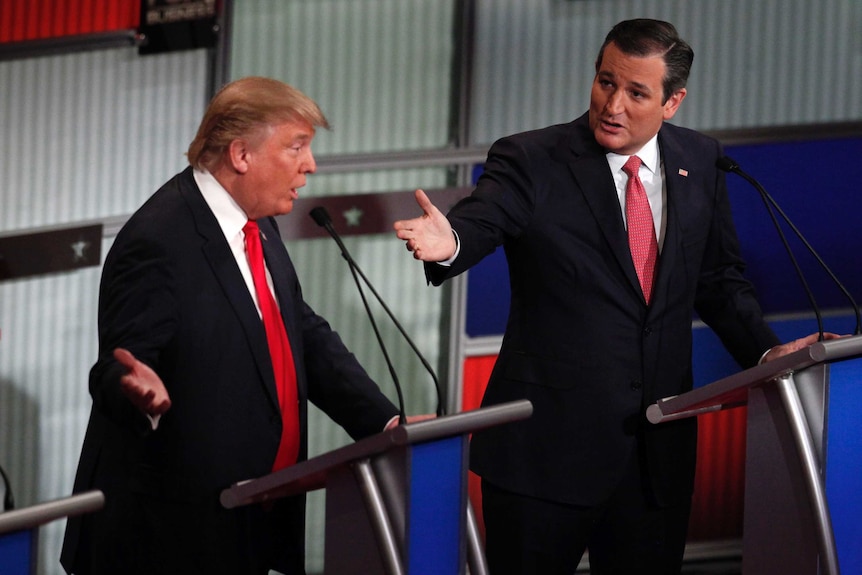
(403, 230)
(831, 335)
(125, 357)
(161, 407)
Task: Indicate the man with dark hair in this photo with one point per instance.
(616, 228)
(208, 355)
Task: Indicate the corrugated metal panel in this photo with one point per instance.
(82, 137)
(380, 69)
(91, 135)
(48, 343)
(757, 64)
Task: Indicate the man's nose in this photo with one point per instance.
(309, 166)
(613, 105)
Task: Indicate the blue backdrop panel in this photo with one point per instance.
(814, 184)
(16, 553)
(844, 463)
(437, 494)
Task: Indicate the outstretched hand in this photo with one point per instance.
(796, 345)
(142, 385)
(429, 236)
(410, 419)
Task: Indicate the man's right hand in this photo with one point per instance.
(429, 236)
(142, 385)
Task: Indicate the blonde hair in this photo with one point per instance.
(242, 108)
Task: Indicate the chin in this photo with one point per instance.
(607, 142)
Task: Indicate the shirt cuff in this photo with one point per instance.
(449, 262)
(391, 423)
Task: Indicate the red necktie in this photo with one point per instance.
(642, 240)
(279, 351)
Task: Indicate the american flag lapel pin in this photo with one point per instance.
(683, 173)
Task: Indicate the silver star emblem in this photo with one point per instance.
(353, 215)
(78, 250)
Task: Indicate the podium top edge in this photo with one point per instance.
(461, 423)
(39, 514)
(734, 388)
(836, 349)
(311, 474)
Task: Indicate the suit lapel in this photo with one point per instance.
(589, 168)
(676, 184)
(221, 260)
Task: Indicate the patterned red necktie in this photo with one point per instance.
(642, 239)
(279, 351)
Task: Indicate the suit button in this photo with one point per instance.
(647, 330)
(636, 385)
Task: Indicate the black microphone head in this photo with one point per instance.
(726, 164)
(321, 216)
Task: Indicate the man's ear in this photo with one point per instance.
(672, 104)
(237, 155)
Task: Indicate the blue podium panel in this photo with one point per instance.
(436, 512)
(17, 556)
(844, 462)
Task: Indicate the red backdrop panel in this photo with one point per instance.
(22, 20)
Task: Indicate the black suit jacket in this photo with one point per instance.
(581, 342)
(172, 294)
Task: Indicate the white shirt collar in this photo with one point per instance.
(231, 218)
(648, 154)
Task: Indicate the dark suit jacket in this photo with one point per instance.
(172, 294)
(580, 342)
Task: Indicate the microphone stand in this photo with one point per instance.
(729, 165)
(322, 218)
(764, 196)
(8, 499)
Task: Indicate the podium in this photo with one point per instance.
(396, 502)
(19, 529)
(802, 462)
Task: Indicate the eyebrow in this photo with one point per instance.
(303, 137)
(638, 85)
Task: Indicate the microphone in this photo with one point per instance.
(8, 499)
(321, 217)
(727, 164)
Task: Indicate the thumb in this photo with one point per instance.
(125, 358)
(424, 202)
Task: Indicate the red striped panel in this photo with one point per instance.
(477, 370)
(22, 20)
(719, 478)
(719, 483)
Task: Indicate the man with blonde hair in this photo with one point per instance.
(208, 355)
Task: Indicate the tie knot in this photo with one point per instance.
(250, 228)
(632, 166)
